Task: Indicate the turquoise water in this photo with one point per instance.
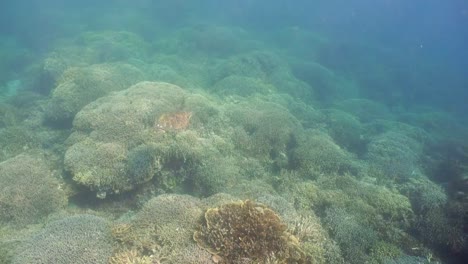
(233, 131)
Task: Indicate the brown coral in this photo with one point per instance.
(173, 121)
(246, 230)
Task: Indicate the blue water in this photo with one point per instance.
(420, 42)
(378, 87)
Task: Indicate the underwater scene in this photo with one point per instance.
(233, 132)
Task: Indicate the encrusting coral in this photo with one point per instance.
(247, 231)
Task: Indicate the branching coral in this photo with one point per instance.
(247, 231)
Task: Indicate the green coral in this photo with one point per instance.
(316, 153)
(350, 207)
(9, 115)
(165, 225)
(111, 46)
(216, 174)
(94, 47)
(142, 164)
(210, 41)
(115, 134)
(28, 190)
(443, 226)
(327, 85)
(242, 86)
(266, 67)
(80, 239)
(14, 140)
(255, 64)
(367, 202)
(354, 238)
(346, 130)
(79, 86)
(265, 130)
(424, 194)
(314, 239)
(171, 217)
(365, 110)
(383, 251)
(394, 156)
(187, 159)
(11, 239)
(100, 166)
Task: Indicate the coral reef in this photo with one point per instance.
(365, 110)
(368, 202)
(14, 140)
(133, 256)
(439, 124)
(207, 40)
(9, 115)
(99, 166)
(161, 231)
(28, 190)
(94, 47)
(354, 238)
(79, 86)
(255, 64)
(314, 239)
(213, 143)
(217, 174)
(439, 220)
(11, 238)
(382, 252)
(142, 164)
(316, 153)
(173, 217)
(108, 147)
(346, 130)
(194, 254)
(109, 46)
(267, 68)
(130, 257)
(185, 71)
(173, 121)
(129, 116)
(443, 227)
(77, 239)
(241, 86)
(265, 130)
(424, 194)
(346, 202)
(247, 230)
(394, 156)
(327, 85)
